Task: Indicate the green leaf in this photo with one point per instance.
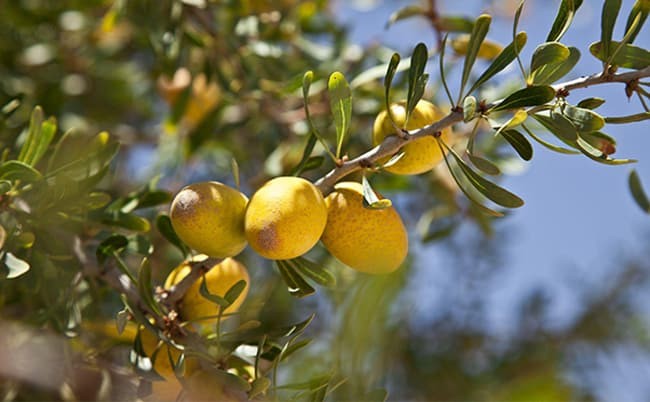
(110, 245)
(451, 23)
(341, 105)
(306, 156)
(140, 244)
(417, 78)
(547, 53)
(35, 122)
(124, 220)
(296, 284)
(503, 60)
(490, 190)
(640, 9)
(548, 145)
(628, 119)
(388, 82)
(15, 265)
(164, 226)
(484, 165)
(601, 141)
(597, 155)
(560, 126)
(235, 290)
(591, 103)
(234, 168)
(404, 13)
(629, 56)
(469, 108)
(377, 395)
(312, 384)
(258, 387)
(608, 17)
(480, 30)
(319, 274)
(563, 20)
(16, 170)
(584, 120)
(551, 72)
(638, 193)
(216, 299)
(145, 287)
(294, 347)
(5, 185)
(441, 67)
(531, 96)
(370, 199)
(519, 143)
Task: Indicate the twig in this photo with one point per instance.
(198, 268)
(392, 144)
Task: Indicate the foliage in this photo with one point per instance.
(242, 92)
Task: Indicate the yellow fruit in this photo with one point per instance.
(209, 217)
(488, 49)
(162, 365)
(219, 279)
(421, 155)
(213, 386)
(285, 218)
(369, 240)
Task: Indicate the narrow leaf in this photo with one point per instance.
(388, 80)
(164, 226)
(519, 143)
(441, 67)
(503, 60)
(235, 290)
(296, 284)
(549, 73)
(548, 145)
(416, 81)
(563, 20)
(584, 119)
(341, 106)
(484, 165)
(638, 193)
(109, 246)
(216, 299)
(640, 9)
(628, 119)
(547, 53)
(628, 56)
(404, 13)
(560, 126)
(370, 199)
(608, 17)
(591, 103)
(34, 131)
(145, 287)
(530, 96)
(480, 30)
(319, 274)
(598, 156)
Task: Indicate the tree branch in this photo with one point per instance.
(392, 144)
(198, 268)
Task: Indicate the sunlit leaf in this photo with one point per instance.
(503, 60)
(530, 96)
(597, 155)
(584, 119)
(480, 30)
(164, 226)
(608, 17)
(125, 220)
(548, 145)
(639, 10)
(628, 56)
(417, 79)
(469, 108)
(519, 143)
(563, 20)
(547, 53)
(560, 126)
(15, 265)
(370, 199)
(341, 106)
(638, 193)
(551, 72)
(15, 170)
(404, 13)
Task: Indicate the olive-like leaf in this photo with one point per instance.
(258, 387)
(639, 10)
(388, 80)
(479, 31)
(125, 220)
(145, 287)
(591, 103)
(597, 155)
(15, 170)
(216, 299)
(490, 190)
(417, 79)
(549, 145)
(563, 19)
(608, 17)
(599, 140)
(531, 96)
(164, 226)
(452, 23)
(503, 60)
(370, 199)
(404, 13)
(638, 193)
(109, 246)
(235, 290)
(560, 126)
(296, 284)
(441, 67)
(484, 165)
(628, 119)
(15, 265)
(628, 56)
(307, 80)
(319, 274)
(341, 106)
(551, 72)
(519, 143)
(584, 120)
(33, 134)
(548, 53)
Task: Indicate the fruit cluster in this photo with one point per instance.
(286, 217)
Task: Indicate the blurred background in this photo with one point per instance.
(549, 303)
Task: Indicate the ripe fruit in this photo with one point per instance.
(209, 217)
(421, 155)
(369, 240)
(162, 365)
(488, 49)
(219, 279)
(285, 218)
